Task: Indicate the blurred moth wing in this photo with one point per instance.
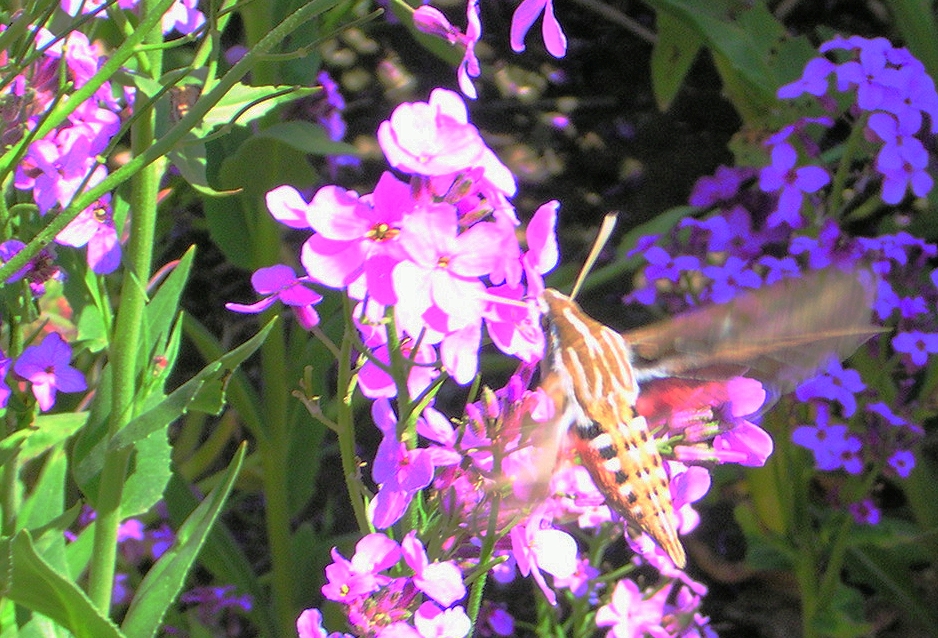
(779, 335)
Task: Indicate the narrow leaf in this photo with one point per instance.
(166, 578)
(34, 584)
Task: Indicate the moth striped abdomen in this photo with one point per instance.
(591, 366)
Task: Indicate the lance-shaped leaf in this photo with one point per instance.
(166, 578)
(30, 581)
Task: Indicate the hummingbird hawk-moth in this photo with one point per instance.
(779, 335)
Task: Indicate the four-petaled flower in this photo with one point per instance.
(46, 367)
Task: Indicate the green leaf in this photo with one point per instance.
(149, 472)
(165, 412)
(11, 445)
(672, 57)
(166, 578)
(244, 103)
(34, 584)
(752, 50)
(50, 430)
(162, 309)
(890, 574)
(221, 555)
(306, 137)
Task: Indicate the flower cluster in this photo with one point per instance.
(66, 160)
(789, 225)
(421, 605)
(440, 250)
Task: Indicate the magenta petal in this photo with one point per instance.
(479, 248)
(287, 207)
(543, 253)
(271, 279)
(80, 231)
(442, 582)
(45, 395)
(521, 21)
(338, 214)
(375, 553)
(334, 263)
(383, 415)
(413, 552)
(375, 383)
(554, 39)
(460, 353)
(388, 506)
(299, 295)
(417, 472)
(378, 277)
(104, 251)
(253, 308)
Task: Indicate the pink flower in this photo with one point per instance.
(435, 138)
(441, 581)
(629, 614)
(350, 580)
(469, 66)
(183, 16)
(309, 625)
(433, 622)
(279, 282)
(47, 367)
(375, 383)
(525, 15)
(551, 550)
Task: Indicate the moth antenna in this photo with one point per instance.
(605, 230)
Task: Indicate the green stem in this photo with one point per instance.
(126, 338)
(274, 446)
(851, 148)
(346, 429)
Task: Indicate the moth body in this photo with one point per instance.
(591, 364)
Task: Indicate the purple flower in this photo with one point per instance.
(727, 280)
(212, 601)
(279, 282)
(814, 80)
(4, 388)
(722, 186)
(832, 445)
(47, 367)
(835, 384)
(791, 184)
(94, 226)
(525, 15)
(865, 512)
(902, 461)
(183, 16)
(400, 472)
(917, 345)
